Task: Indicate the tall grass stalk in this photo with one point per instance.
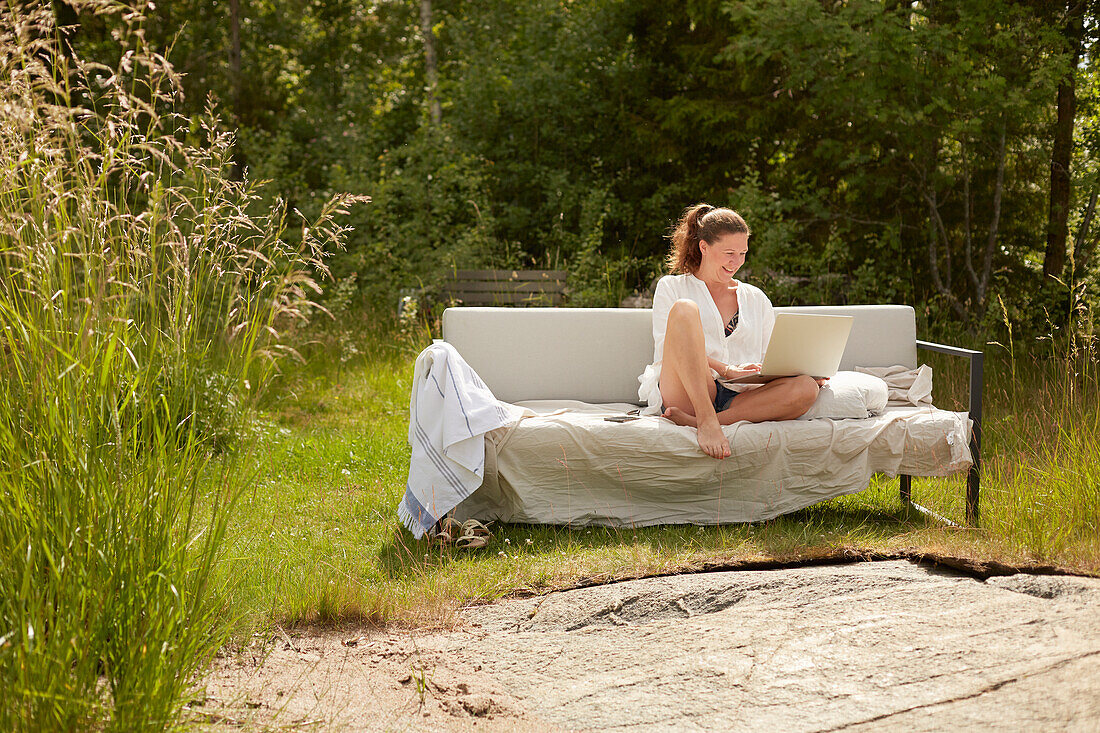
(141, 307)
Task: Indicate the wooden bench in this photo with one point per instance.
(505, 287)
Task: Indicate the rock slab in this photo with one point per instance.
(868, 646)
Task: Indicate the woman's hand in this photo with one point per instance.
(735, 371)
(821, 381)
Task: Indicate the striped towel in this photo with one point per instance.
(450, 410)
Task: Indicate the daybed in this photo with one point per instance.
(564, 463)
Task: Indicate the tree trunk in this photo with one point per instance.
(430, 67)
(935, 227)
(235, 81)
(236, 84)
(1054, 259)
(994, 223)
(968, 229)
(1080, 254)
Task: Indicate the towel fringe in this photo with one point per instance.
(410, 520)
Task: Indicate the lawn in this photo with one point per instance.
(315, 536)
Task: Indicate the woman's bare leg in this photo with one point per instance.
(780, 399)
(686, 383)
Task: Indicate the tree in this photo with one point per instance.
(1072, 22)
(431, 69)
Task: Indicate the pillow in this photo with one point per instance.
(849, 394)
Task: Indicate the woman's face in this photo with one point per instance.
(723, 257)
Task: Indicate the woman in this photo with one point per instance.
(707, 325)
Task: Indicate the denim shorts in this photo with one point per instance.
(723, 396)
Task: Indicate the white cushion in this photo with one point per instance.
(586, 354)
(596, 354)
(882, 335)
(849, 395)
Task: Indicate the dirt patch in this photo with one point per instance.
(369, 680)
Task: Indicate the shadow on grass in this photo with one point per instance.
(863, 520)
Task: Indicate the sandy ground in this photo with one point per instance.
(356, 680)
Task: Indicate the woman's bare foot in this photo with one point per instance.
(711, 438)
(678, 416)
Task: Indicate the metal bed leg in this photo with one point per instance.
(906, 491)
(973, 477)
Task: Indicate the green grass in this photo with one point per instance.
(316, 537)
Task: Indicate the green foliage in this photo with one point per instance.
(893, 115)
(431, 213)
(873, 128)
(538, 96)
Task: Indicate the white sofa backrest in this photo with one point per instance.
(882, 335)
(596, 354)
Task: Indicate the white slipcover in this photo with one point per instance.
(573, 467)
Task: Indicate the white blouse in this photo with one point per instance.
(744, 346)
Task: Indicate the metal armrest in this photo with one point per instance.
(973, 476)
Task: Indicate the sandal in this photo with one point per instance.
(474, 535)
(468, 535)
(447, 531)
(471, 542)
(474, 528)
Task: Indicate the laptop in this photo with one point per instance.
(801, 343)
